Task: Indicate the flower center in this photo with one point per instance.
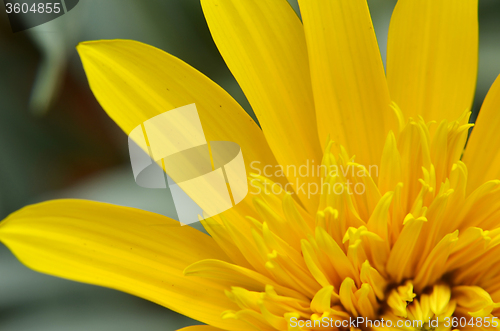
(420, 312)
(340, 264)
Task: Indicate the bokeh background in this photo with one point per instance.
(57, 142)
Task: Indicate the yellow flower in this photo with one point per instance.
(419, 244)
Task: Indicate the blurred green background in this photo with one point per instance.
(57, 142)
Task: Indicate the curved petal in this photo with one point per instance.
(200, 328)
(482, 155)
(134, 82)
(432, 57)
(127, 249)
(350, 90)
(263, 45)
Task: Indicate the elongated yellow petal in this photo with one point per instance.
(263, 45)
(200, 328)
(236, 276)
(134, 82)
(350, 90)
(432, 267)
(401, 262)
(432, 57)
(127, 249)
(482, 155)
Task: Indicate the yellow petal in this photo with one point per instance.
(350, 90)
(472, 243)
(482, 155)
(432, 267)
(440, 298)
(402, 259)
(127, 249)
(380, 217)
(200, 328)
(314, 265)
(236, 276)
(432, 57)
(342, 265)
(474, 300)
(134, 82)
(391, 172)
(322, 300)
(397, 304)
(264, 46)
(347, 296)
(371, 276)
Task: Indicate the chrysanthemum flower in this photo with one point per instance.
(420, 243)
